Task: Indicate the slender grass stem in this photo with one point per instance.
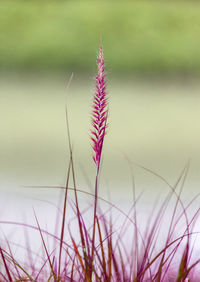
(95, 211)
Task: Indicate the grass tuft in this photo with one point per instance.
(96, 248)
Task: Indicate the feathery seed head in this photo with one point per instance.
(100, 110)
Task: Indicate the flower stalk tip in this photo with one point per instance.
(99, 110)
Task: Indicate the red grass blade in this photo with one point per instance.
(80, 260)
(5, 265)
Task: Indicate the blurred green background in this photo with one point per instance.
(152, 57)
(140, 36)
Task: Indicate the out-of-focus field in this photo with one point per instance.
(140, 36)
(152, 122)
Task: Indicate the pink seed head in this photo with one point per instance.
(100, 110)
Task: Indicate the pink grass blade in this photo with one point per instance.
(188, 270)
(5, 265)
(74, 181)
(63, 220)
(72, 270)
(41, 268)
(19, 266)
(102, 249)
(172, 224)
(183, 265)
(86, 249)
(12, 257)
(116, 267)
(45, 248)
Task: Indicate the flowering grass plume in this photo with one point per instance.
(100, 110)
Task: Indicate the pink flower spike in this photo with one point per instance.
(100, 110)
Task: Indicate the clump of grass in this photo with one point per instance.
(102, 251)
